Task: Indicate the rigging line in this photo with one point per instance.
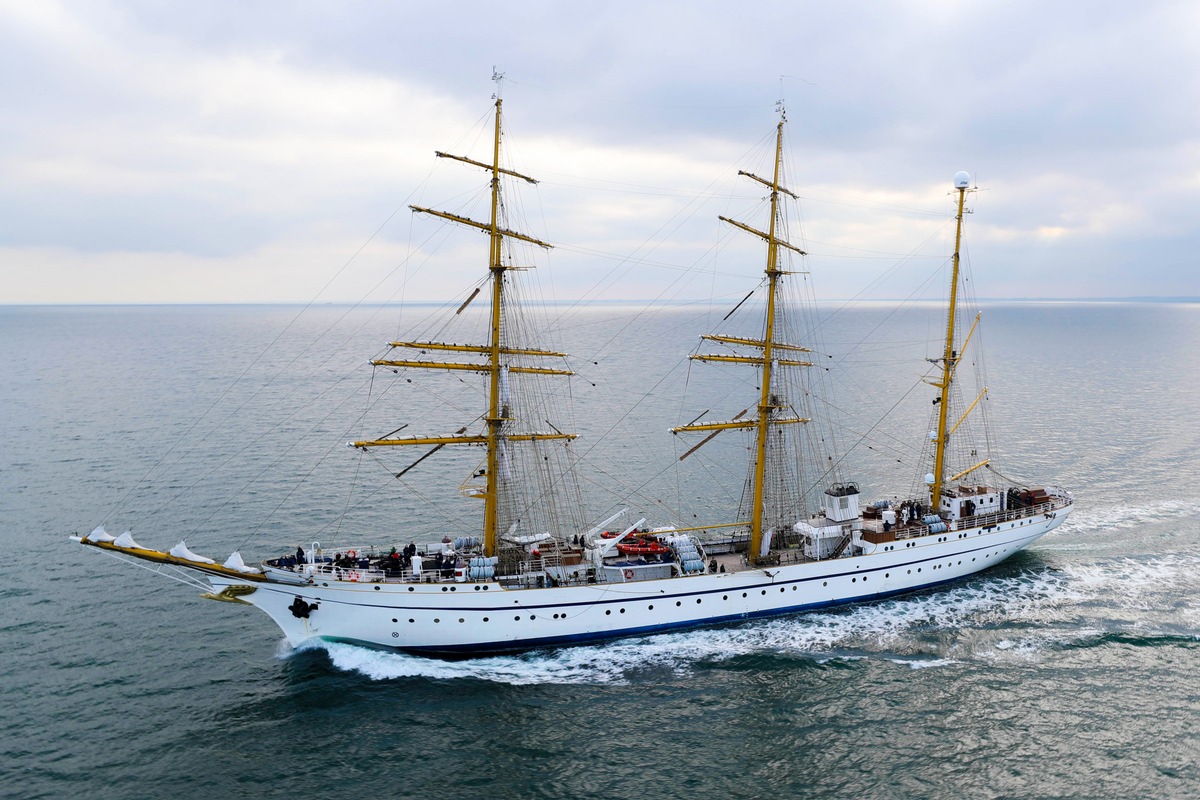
(247, 446)
(257, 358)
(295, 488)
(182, 577)
(329, 388)
(594, 99)
(628, 491)
(271, 465)
(661, 300)
(852, 447)
(629, 411)
(439, 509)
(678, 219)
(911, 255)
(634, 261)
(349, 495)
(895, 310)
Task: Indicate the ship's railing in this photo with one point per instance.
(996, 517)
(373, 574)
(913, 530)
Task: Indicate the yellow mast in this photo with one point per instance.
(494, 351)
(763, 421)
(949, 357)
(765, 404)
(494, 418)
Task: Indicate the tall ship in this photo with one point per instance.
(540, 572)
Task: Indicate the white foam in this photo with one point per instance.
(589, 665)
(926, 663)
(1124, 517)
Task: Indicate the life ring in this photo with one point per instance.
(353, 575)
(628, 574)
(352, 553)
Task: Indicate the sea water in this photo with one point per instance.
(1070, 670)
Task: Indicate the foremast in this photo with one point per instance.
(769, 408)
(496, 366)
(950, 357)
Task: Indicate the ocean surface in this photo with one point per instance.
(1069, 671)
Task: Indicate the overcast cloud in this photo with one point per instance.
(244, 152)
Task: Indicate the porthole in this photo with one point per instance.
(395, 620)
(409, 588)
(854, 580)
(622, 611)
(518, 617)
(412, 620)
(782, 589)
(678, 603)
(377, 588)
(650, 607)
(608, 612)
(743, 594)
(887, 574)
(764, 591)
(454, 588)
(697, 601)
(477, 588)
(445, 589)
(485, 619)
(723, 597)
(435, 619)
(824, 583)
(460, 619)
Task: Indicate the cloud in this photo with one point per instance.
(169, 153)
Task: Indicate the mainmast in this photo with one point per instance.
(496, 415)
(949, 357)
(766, 403)
(497, 354)
(769, 405)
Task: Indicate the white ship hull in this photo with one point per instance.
(475, 618)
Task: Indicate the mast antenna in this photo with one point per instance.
(498, 77)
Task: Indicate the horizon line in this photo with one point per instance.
(639, 301)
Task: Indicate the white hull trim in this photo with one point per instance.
(481, 618)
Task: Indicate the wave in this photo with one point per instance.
(1092, 520)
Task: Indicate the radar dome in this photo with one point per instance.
(962, 180)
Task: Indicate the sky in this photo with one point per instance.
(164, 152)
